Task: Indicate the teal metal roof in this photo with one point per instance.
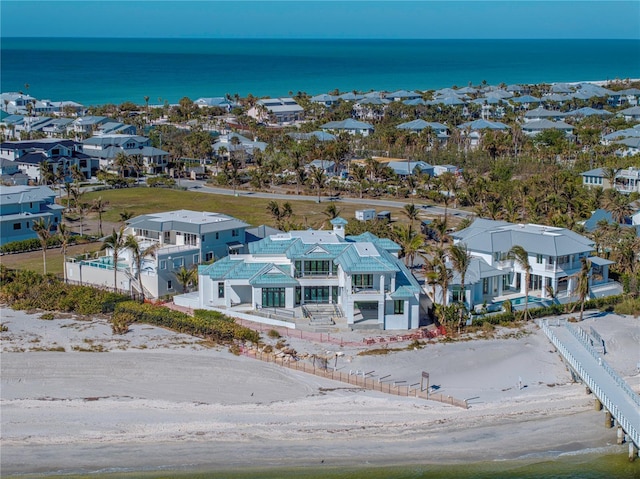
(368, 237)
(269, 246)
(352, 261)
(403, 292)
(339, 221)
(273, 275)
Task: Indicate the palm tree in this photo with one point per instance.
(99, 206)
(618, 205)
(115, 241)
(318, 178)
(410, 243)
(331, 211)
(125, 216)
(43, 229)
(46, 173)
(582, 286)
(411, 212)
(521, 257)
(64, 233)
(461, 260)
(139, 254)
(279, 213)
(186, 277)
(359, 174)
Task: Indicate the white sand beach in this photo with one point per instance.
(153, 399)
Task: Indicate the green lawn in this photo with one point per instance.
(33, 259)
(251, 210)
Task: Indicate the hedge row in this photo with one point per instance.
(23, 289)
(205, 324)
(34, 243)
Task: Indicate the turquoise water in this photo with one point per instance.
(95, 71)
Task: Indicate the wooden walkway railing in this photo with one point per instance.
(359, 380)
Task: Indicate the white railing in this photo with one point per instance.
(593, 386)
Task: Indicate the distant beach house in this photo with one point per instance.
(236, 144)
(317, 135)
(87, 125)
(277, 111)
(325, 99)
(21, 206)
(61, 155)
(554, 255)
(409, 167)
(11, 175)
(595, 179)
(535, 127)
(15, 103)
(543, 114)
(631, 114)
(402, 95)
(416, 126)
(218, 102)
(104, 149)
(358, 278)
(329, 167)
(626, 180)
(183, 238)
(351, 126)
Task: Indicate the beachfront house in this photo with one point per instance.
(182, 238)
(21, 206)
(295, 274)
(554, 254)
(626, 180)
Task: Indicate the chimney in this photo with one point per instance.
(338, 226)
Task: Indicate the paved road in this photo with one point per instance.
(365, 202)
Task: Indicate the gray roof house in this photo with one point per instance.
(105, 148)
(351, 126)
(183, 238)
(554, 254)
(21, 206)
(532, 128)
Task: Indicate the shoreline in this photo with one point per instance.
(155, 401)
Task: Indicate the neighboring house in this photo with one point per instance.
(554, 255)
(86, 125)
(408, 167)
(233, 143)
(218, 102)
(587, 112)
(595, 178)
(626, 181)
(329, 167)
(60, 154)
(629, 146)
(359, 277)
(20, 206)
(351, 126)
(440, 169)
(10, 173)
(631, 114)
(104, 149)
(543, 114)
(184, 238)
(419, 125)
(402, 95)
(535, 127)
(600, 215)
(276, 110)
(15, 103)
(324, 99)
(115, 128)
(318, 135)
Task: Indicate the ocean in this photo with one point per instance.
(98, 71)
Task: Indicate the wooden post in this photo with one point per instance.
(597, 404)
(607, 420)
(633, 451)
(620, 434)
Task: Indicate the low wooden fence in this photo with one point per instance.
(359, 380)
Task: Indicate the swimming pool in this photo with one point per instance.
(497, 306)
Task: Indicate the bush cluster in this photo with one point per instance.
(205, 324)
(34, 243)
(23, 289)
(155, 181)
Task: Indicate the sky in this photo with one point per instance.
(430, 19)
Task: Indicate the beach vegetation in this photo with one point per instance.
(273, 333)
(47, 316)
(628, 306)
(210, 325)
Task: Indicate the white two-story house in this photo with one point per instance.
(360, 276)
(105, 148)
(182, 238)
(554, 254)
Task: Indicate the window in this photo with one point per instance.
(169, 285)
(17, 226)
(208, 256)
(364, 281)
(217, 235)
(273, 297)
(202, 238)
(177, 263)
(221, 290)
(28, 226)
(196, 258)
(398, 306)
(317, 268)
(538, 259)
(234, 232)
(316, 294)
(163, 264)
(485, 286)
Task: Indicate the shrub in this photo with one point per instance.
(628, 306)
(274, 334)
(206, 324)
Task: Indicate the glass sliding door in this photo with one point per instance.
(273, 297)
